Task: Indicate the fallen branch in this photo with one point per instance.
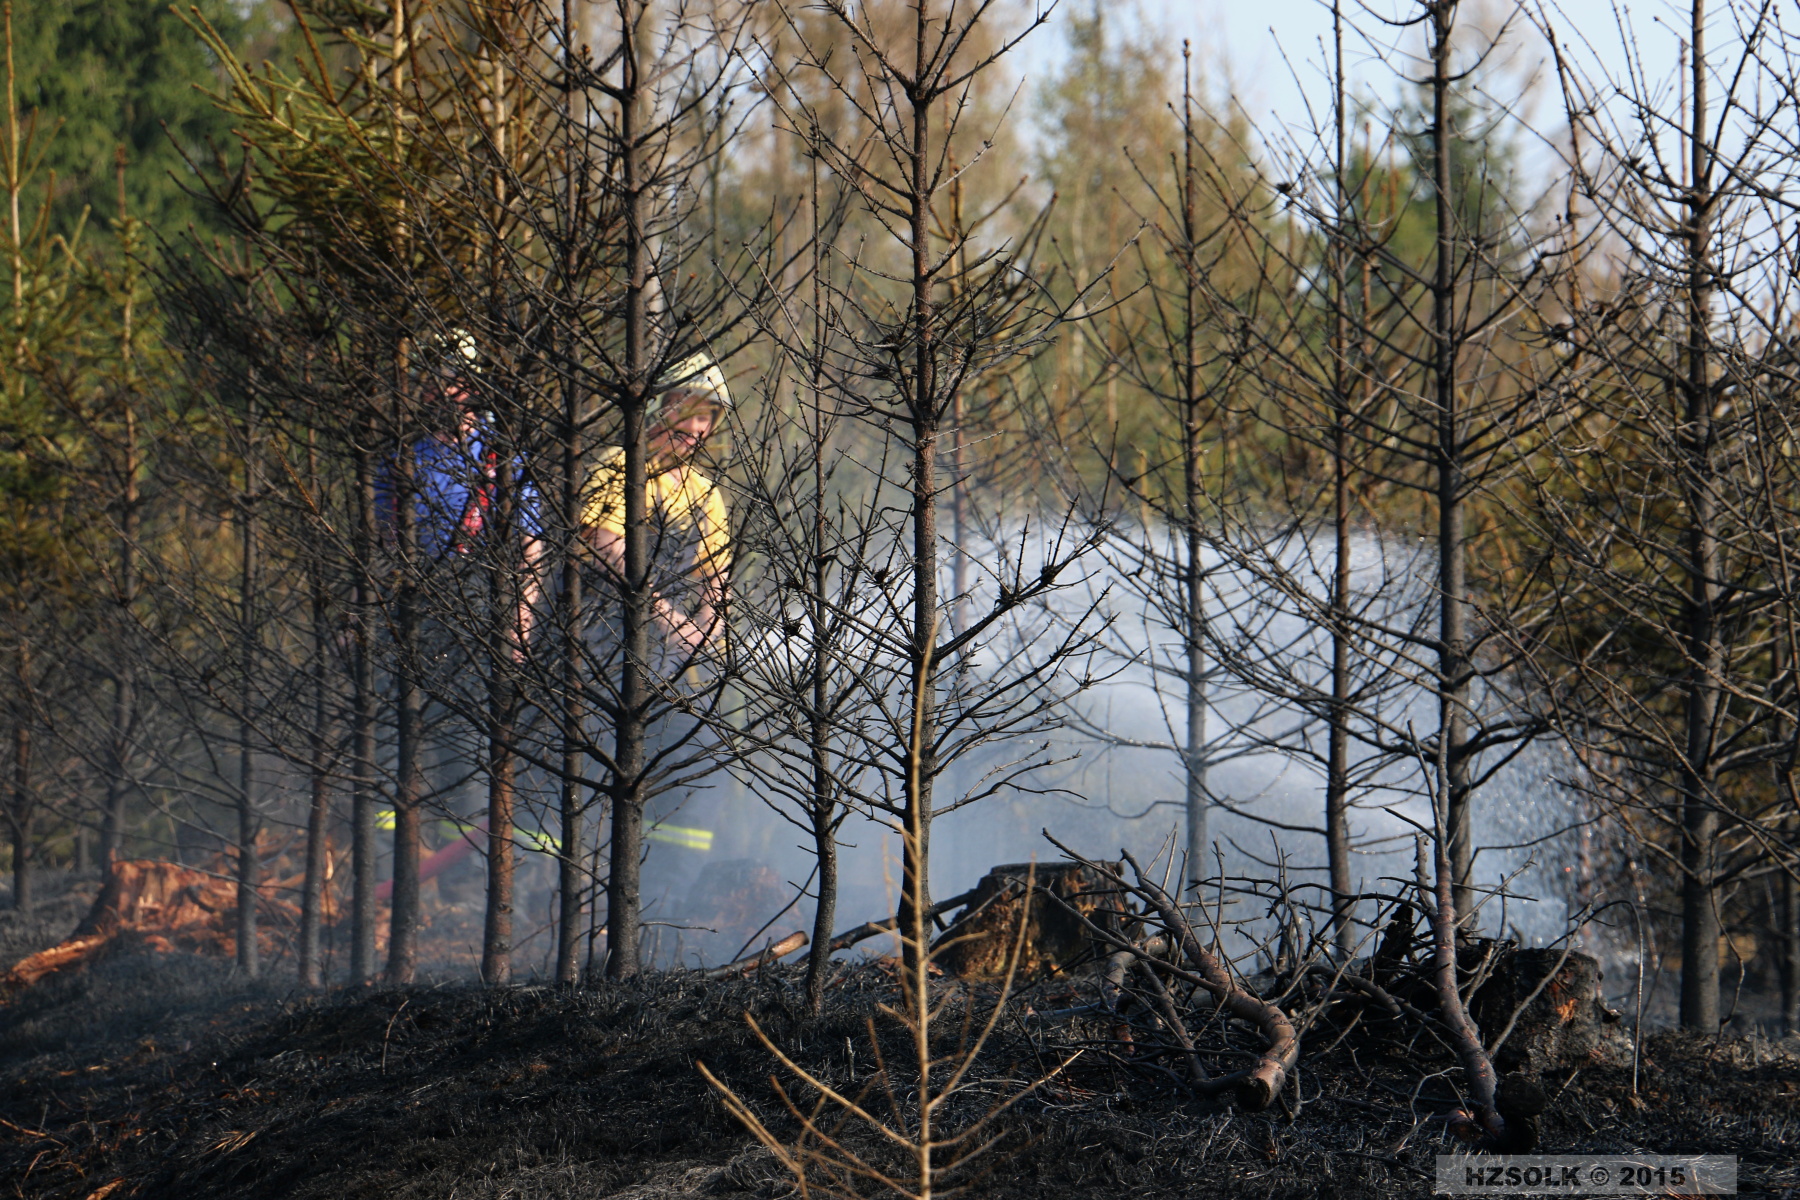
(1148, 954)
(1165, 1005)
(1391, 1004)
(1261, 1083)
(47, 962)
(781, 949)
(1112, 977)
(849, 938)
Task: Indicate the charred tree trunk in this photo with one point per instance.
(623, 898)
(1452, 581)
(124, 680)
(924, 410)
(1193, 579)
(247, 864)
(825, 852)
(571, 625)
(826, 815)
(19, 808)
(505, 591)
(1699, 817)
(112, 815)
(497, 934)
(824, 803)
(318, 809)
(1437, 890)
(1337, 749)
(366, 788)
(1788, 953)
(572, 632)
(409, 784)
(504, 598)
(22, 810)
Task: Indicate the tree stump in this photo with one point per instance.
(1567, 1024)
(980, 939)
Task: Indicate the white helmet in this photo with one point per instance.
(699, 375)
(452, 353)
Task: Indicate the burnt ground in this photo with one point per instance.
(151, 1075)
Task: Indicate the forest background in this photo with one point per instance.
(1103, 458)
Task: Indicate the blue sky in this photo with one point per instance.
(1251, 36)
(1240, 45)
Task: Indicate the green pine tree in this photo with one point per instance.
(105, 74)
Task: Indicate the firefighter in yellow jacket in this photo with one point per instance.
(689, 535)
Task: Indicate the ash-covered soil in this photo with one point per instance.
(160, 1076)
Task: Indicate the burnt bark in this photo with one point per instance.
(497, 929)
(571, 629)
(124, 676)
(1788, 953)
(1700, 930)
(248, 866)
(504, 647)
(365, 788)
(825, 911)
(1453, 682)
(318, 810)
(1193, 576)
(409, 784)
(826, 811)
(981, 942)
(21, 812)
(923, 409)
(623, 895)
(1437, 894)
(1337, 747)
(309, 964)
(571, 636)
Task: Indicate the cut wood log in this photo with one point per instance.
(29, 970)
(166, 907)
(166, 899)
(979, 940)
